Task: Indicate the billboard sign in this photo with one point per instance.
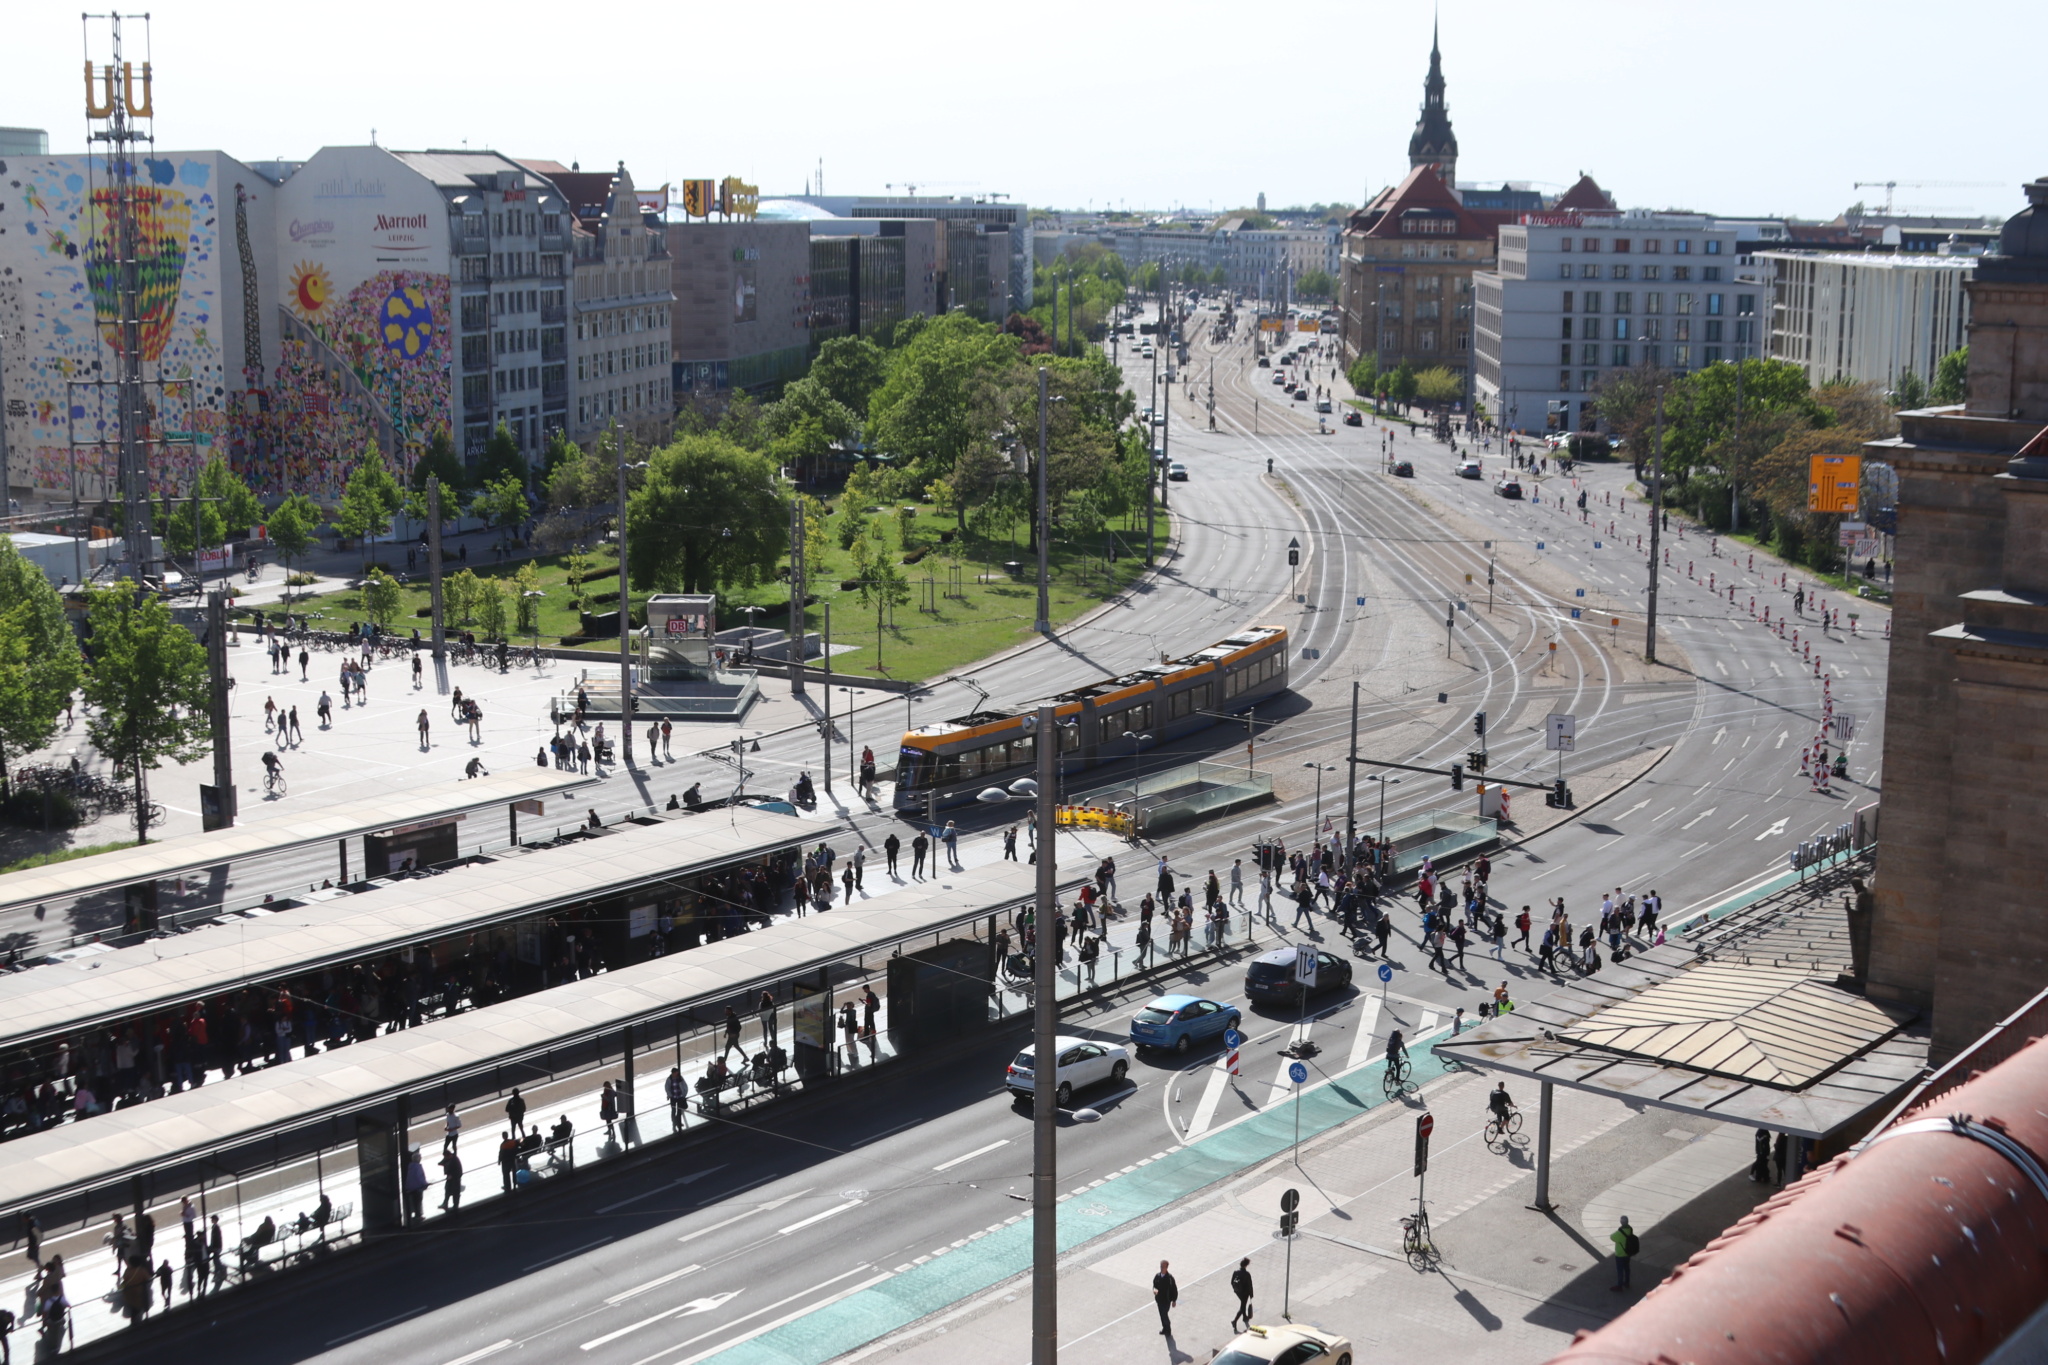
(1831, 483)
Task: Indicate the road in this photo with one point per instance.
(697, 1251)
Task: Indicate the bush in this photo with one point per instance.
(427, 610)
(602, 597)
(917, 554)
(300, 579)
(25, 807)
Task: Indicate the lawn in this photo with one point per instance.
(935, 633)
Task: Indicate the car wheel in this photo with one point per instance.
(1064, 1096)
(1344, 1359)
(1182, 1044)
(1119, 1071)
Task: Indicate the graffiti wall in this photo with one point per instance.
(363, 294)
(59, 285)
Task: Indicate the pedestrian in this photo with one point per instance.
(515, 1112)
(951, 837)
(1241, 1285)
(451, 1125)
(1266, 893)
(667, 730)
(325, 710)
(1165, 1294)
(304, 659)
(1010, 844)
(1237, 883)
(608, 1109)
(860, 866)
(451, 1176)
(415, 1187)
(423, 729)
(918, 846)
(1626, 1245)
(849, 1025)
(892, 846)
(870, 1006)
(846, 880)
(1522, 923)
(732, 1034)
(1760, 1169)
(508, 1158)
(1458, 1022)
(416, 673)
(678, 1092)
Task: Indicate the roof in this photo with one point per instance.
(222, 1115)
(163, 973)
(458, 169)
(301, 828)
(1422, 195)
(1585, 193)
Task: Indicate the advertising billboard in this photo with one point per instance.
(1832, 482)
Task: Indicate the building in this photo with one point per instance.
(1868, 316)
(1579, 294)
(1405, 282)
(621, 301)
(24, 142)
(1007, 227)
(742, 316)
(868, 274)
(1266, 262)
(1969, 669)
(1433, 144)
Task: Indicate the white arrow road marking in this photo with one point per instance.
(1776, 829)
(1697, 818)
(1633, 809)
(692, 1307)
(1720, 734)
(651, 1284)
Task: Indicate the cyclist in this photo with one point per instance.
(273, 771)
(1397, 1049)
(1500, 1104)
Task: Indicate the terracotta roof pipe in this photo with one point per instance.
(1931, 1244)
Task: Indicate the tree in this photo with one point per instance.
(817, 541)
(849, 370)
(440, 460)
(368, 500)
(382, 597)
(1315, 284)
(575, 568)
(709, 514)
(1952, 377)
(976, 474)
(1909, 391)
(1219, 277)
(526, 582)
(291, 528)
(501, 502)
(39, 663)
(1701, 409)
(226, 506)
(1364, 372)
(491, 607)
(1401, 386)
(147, 689)
(949, 387)
(882, 585)
(501, 457)
(463, 591)
(1627, 407)
(1438, 384)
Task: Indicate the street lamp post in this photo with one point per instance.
(1384, 782)
(1316, 829)
(852, 754)
(1138, 742)
(534, 595)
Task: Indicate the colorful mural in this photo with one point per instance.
(57, 252)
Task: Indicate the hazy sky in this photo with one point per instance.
(1205, 103)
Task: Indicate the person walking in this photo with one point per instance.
(870, 1006)
(515, 1112)
(1165, 1294)
(678, 1093)
(325, 710)
(732, 1035)
(1010, 844)
(1626, 1245)
(860, 866)
(423, 729)
(451, 1188)
(951, 838)
(304, 659)
(667, 731)
(918, 846)
(415, 1187)
(451, 1128)
(608, 1109)
(1241, 1285)
(892, 846)
(1237, 883)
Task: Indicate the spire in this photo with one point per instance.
(1433, 143)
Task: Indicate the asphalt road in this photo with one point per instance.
(701, 1248)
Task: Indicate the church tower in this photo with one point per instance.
(1434, 144)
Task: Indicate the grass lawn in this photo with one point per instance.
(915, 643)
(65, 855)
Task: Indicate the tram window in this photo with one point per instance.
(1130, 720)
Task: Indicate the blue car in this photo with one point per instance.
(1175, 1023)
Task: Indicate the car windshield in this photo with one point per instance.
(1023, 1061)
(1267, 971)
(1152, 1014)
(1239, 1358)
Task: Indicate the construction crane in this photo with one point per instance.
(1889, 185)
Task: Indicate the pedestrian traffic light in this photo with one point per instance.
(1559, 797)
(1457, 777)
(1479, 725)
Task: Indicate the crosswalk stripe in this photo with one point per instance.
(1430, 1019)
(1362, 1045)
(1212, 1095)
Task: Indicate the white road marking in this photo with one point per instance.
(1781, 739)
(1697, 818)
(690, 1309)
(475, 1356)
(1776, 829)
(1672, 811)
(1430, 1020)
(1738, 820)
(1541, 875)
(653, 1284)
(1368, 1021)
(1777, 670)
(818, 1217)
(1212, 1095)
(537, 1265)
(379, 1326)
(767, 1327)
(1722, 666)
(758, 1208)
(659, 1189)
(978, 1151)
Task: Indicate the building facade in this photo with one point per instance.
(742, 310)
(1007, 227)
(1266, 261)
(1576, 296)
(1405, 281)
(868, 274)
(1867, 316)
(1433, 144)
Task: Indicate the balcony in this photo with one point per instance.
(553, 313)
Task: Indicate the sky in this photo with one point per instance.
(1062, 104)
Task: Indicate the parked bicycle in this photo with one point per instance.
(1415, 1242)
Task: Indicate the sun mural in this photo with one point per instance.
(407, 321)
(312, 287)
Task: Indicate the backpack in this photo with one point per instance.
(1630, 1243)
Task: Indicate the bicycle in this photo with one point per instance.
(1396, 1079)
(1500, 1129)
(1415, 1243)
(155, 815)
(273, 782)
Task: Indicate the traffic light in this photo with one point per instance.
(1558, 797)
(1479, 724)
(1475, 759)
(1457, 777)
(1288, 1223)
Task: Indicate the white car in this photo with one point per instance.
(1082, 1062)
(1469, 469)
(1292, 1343)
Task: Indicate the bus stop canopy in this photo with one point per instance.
(302, 827)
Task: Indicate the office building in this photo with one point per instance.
(1867, 316)
(1267, 262)
(741, 318)
(1577, 295)
(1405, 287)
(1005, 226)
(868, 274)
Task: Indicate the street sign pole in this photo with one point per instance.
(1425, 1124)
(1297, 1073)
(1290, 1201)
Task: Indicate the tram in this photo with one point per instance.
(1103, 722)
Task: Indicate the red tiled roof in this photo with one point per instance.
(1423, 193)
(1586, 194)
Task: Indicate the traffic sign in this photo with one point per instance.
(1304, 964)
(1232, 1038)
(1297, 1073)
(1290, 1201)
(1386, 972)
(1424, 1125)
(1578, 592)
(1575, 613)
(1560, 732)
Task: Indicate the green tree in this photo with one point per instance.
(147, 689)
(462, 592)
(950, 386)
(39, 662)
(575, 568)
(710, 514)
(501, 457)
(524, 582)
(849, 370)
(1627, 408)
(1402, 386)
(439, 460)
(291, 528)
(1219, 277)
(382, 597)
(1701, 409)
(493, 608)
(226, 507)
(882, 585)
(1316, 285)
(1909, 391)
(368, 500)
(1364, 372)
(1952, 377)
(817, 540)
(1438, 384)
(976, 474)
(501, 502)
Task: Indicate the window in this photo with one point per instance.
(1429, 284)
(1464, 341)
(1589, 354)
(1589, 244)
(1425, 338)
(1682, 247)
(1652, 245)
(1714, 330)
(1428, 310)
(1681, 357)
(1681, 272)
(1653, 272)
(1567, 329)
(1589, 272)
(1650, 355)
(1567, 300)
(1710, 273)
(1653, 329)
(1620, 356)
(1564, 244)
(1564, 353)
(1744, 332)
(1619, 272)
(1745, 305)
(1712, 355)
(1620, 329)
(1564, 380)
(1681, 330)
(1714, 305)
(1624, 301)
(1592, 302)
(1390, 339)
(1564, 271)
(1681, 303)
(1713, 248)
(1589, 328)
(1653, 302)
(1621, 246)
(1589, 380)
